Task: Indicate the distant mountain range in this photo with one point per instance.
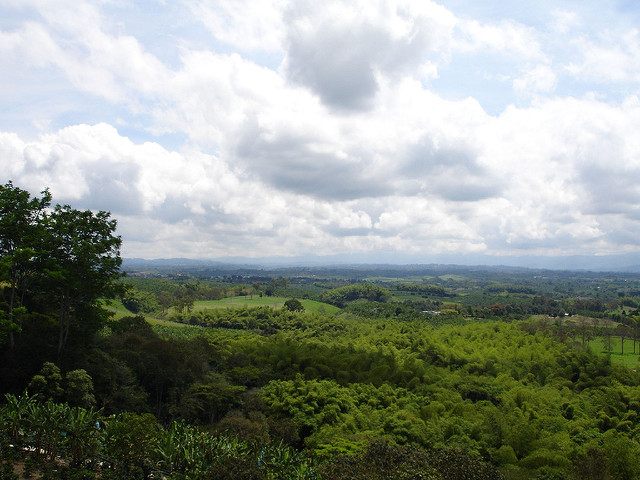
(627, 263)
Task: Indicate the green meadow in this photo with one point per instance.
(257, 301)
(627, 359)
(119, 310)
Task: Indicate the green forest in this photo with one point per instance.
(117, 371)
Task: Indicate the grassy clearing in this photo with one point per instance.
(629, 359)
(578, 320)
(119, 311)
(256, 301)
(167, 328)
(166, 323)
(117, 308)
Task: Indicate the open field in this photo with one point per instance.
(256, 301)
(578, 321)
(629, 359)
(119, 311)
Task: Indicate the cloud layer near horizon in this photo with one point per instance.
(297, 128)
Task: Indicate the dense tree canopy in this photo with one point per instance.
(57, 264)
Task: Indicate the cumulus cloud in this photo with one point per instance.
(577, 161)
(612, 57)
(344, 50)
(72, 37)
(346, 146)
(340, 49)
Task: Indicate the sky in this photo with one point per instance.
(372, 128)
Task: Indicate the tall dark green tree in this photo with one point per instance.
(21, 232)
(55, 267)
(83, 266)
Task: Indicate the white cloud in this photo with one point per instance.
(340, 49)
(343, 51)
(507, 37)
(73, 39)
(247, 25)
(614, 57)
(539, 79)
(564, 21)
(346, 147)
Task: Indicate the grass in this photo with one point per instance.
(117, 308)
(165, 327)
(119, 311)
(629, 359)
(256, 301)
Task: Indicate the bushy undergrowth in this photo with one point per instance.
(56, 441)
(59, 441)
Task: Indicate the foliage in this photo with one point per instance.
(342, 295)
(83, 265)
(294, 305)
(382, 460)
(22, 226)
(210, 399)
(56, 264)
(128, 442)
(45, 432)
(424, 288)
(75, 387)
(62, 441)
(138, 301)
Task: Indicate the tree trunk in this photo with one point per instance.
(12, 341)
(64, 326)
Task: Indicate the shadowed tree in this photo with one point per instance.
(21, 232)
(79, 389)
(83, 266)
(47, 383)
(294, 305)
(55, 268)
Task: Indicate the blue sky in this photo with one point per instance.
(277, 127)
